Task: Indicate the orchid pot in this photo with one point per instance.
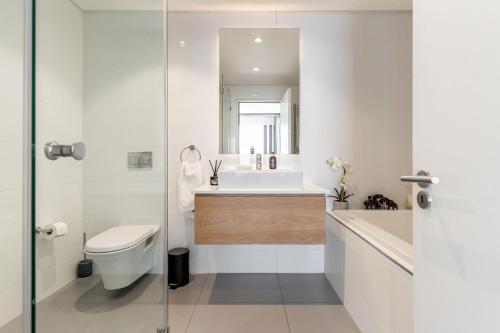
(340, 205)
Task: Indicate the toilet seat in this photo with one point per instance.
(119, 238)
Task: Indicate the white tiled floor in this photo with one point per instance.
(296, 303)
(229, 303)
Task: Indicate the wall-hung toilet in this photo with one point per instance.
(123, 254)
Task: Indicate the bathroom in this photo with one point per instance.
(287, 155)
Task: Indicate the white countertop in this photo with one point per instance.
(307, 189)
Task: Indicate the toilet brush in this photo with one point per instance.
(85, 265)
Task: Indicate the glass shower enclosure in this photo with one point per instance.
(95, 220)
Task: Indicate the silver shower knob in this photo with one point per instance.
(53, 150)
(78, 150)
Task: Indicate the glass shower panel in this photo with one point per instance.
(11, 180)
(100, 166)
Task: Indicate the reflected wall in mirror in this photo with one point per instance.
(259, 91)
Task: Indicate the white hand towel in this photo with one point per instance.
(190, 177)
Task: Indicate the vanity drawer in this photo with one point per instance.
(259, 219)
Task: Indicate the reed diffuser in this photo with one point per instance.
(214, 179)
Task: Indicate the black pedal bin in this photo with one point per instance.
(178, 267)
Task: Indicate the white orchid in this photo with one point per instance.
(338, 163)
(335, 162)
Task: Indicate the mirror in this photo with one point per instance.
(259, 91)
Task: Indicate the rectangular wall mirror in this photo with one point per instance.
(259, 91)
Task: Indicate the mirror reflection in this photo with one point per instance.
(259, 91)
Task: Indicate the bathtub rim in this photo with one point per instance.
(402, 260)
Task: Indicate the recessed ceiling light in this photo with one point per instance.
(256, 69)
(258, 40)
(182, 43)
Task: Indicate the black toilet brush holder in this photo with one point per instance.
(84, 266)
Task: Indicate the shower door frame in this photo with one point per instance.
(28, 204)
(29, 169)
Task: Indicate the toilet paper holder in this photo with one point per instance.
(53, 230)
(44, 230)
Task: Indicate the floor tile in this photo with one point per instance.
(88, 297)
(148, 289)
(190, 293)
(62, 318)
(238, 319)
(134, 318)
(179, 316)
(206, 291)
(209, 303)
(307, 289)
(13, 326)
(320, 318)
(73, 290)
(182, 302)
(245, 289)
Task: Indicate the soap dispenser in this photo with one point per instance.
(258, 162)
(272, 161)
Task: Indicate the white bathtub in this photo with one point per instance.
(368, 261)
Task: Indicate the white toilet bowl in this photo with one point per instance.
(123, 254)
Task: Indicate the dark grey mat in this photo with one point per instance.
(307, 289)
(245, 289)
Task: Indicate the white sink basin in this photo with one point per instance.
(278, 179)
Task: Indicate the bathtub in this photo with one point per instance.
(368, 261)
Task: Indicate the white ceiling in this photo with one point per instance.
(245, 5)
(120, 4)
(277, 56)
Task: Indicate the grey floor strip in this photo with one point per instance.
(241, 288)
(307, 289)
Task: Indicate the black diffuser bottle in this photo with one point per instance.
(214, 179)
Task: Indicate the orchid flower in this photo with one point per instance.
(338, 163)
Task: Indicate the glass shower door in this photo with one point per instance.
(11, 161)
(100, 199)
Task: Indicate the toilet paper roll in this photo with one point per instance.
(54, 230)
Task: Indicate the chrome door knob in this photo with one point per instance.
(78, 150)
(53, 150)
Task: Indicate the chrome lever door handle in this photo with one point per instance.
(423, 178)
(53, 150)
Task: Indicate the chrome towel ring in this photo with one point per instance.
(191, 148)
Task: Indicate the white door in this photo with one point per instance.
(457, 138)
(286, 122)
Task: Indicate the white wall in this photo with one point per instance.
(124, 112)
(356, 98)
(11, 129)
(355, 101)
(59, 106)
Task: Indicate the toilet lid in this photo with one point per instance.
(119, 238)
